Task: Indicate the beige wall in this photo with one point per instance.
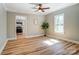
(71, 22)
(35, 29)
(2, 21)
(3, 26)
(32, 28)
(11, 30)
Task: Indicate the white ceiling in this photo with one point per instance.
(28, 7)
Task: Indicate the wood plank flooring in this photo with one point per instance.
(40, 46)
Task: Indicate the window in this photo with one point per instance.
(59, 23)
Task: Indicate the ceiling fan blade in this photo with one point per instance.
(42, 10)
(46, 8)
(39, 6)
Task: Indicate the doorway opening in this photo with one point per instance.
(21, 26)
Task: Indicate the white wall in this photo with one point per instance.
(3, 27)
(71, 22)
(32, 28)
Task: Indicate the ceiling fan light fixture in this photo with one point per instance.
(39, 11)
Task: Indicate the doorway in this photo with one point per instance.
(21, 26)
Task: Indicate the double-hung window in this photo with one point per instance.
(59, 23)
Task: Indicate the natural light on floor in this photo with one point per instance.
(51, 41)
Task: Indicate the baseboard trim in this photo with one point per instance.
(31, 36)
(4, 44)
(34, 36)
(12, 38)
(66, 39)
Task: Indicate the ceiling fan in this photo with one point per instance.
(40, 8)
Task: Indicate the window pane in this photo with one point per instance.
(61, 18)
(59, 23)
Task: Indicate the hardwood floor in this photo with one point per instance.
(40, 46)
